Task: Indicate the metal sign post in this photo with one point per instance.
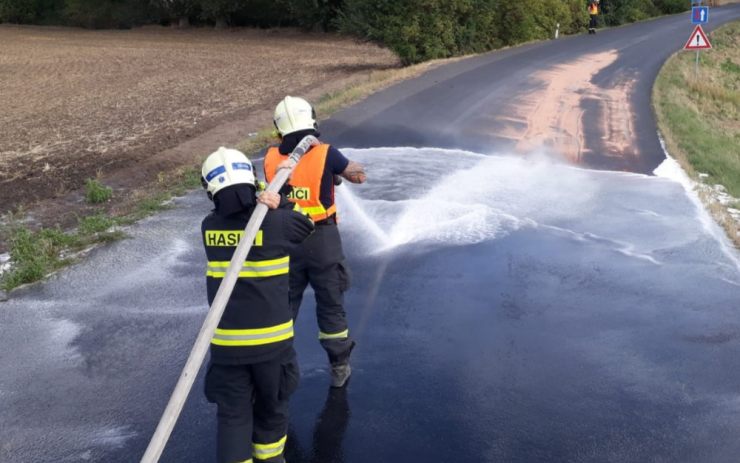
(698, 41)
(696, 66)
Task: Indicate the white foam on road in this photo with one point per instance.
(79, 330)
(670, 169)
(455, 198)
(113, 437)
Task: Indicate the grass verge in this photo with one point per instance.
(699, 118)
(36, 253)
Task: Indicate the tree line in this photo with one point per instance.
(416, 30)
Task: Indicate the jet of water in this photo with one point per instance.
(352, 210)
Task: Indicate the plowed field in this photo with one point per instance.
(77, 102)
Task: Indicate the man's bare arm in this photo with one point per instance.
(355, 172)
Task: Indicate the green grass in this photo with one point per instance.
(705, 148)
(96, 192)
(36, 253)
(97, 223)
(699, 116)
(730, 66)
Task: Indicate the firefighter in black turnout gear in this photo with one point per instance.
(253, 369)
(320, 260)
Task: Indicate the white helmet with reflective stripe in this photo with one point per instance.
(294, 114)
(224, 168)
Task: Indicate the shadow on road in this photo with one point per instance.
(328, 433)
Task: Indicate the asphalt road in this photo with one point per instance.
(508, 306)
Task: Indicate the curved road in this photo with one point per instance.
(508, 306)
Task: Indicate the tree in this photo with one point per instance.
(179, 10)
(105, 14)
(31, 11)
(17, 11)
(672, 6)
(312, 14)
(219, 11)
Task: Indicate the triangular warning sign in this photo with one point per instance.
(698, 40)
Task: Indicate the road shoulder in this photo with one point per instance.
(699, 118)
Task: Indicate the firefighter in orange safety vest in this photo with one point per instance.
(319, 261)
(253, 369)
(593, 12)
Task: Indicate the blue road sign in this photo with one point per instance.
(699, 15)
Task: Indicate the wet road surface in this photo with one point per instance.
(507, 307)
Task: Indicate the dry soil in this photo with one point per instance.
(129, 104)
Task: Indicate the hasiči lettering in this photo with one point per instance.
(300, 193)
(228, 237)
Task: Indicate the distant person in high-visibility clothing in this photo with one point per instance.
(253, 368)
(593, 12)
(318, 261)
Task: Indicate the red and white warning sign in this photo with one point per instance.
(698, 40)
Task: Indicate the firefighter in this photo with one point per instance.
(593, 12)
(319, 261)
(253, 369)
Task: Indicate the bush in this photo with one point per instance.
(263, 13)
(578, 16)
(617, 12)
(176, 11)
(534, 19)
(315, 14)
(31, 11)
(96, 192)
(418, 30)
(107, 14)
(17, 11)
(218, 11)
(672, 6)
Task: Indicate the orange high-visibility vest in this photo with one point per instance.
(305, 180)
(593, 9)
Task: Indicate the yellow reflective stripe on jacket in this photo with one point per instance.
(251, 269)
(319, 213)
(314, 210)
(266, 451)
(253, 337)
(297, 208)
(340, 335)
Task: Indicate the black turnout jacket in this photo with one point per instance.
(257, 324)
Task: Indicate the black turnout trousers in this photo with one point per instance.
(252, 407)
(592, 22)
(319, 261)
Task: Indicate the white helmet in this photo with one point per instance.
(294, 114)
(224, 168)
